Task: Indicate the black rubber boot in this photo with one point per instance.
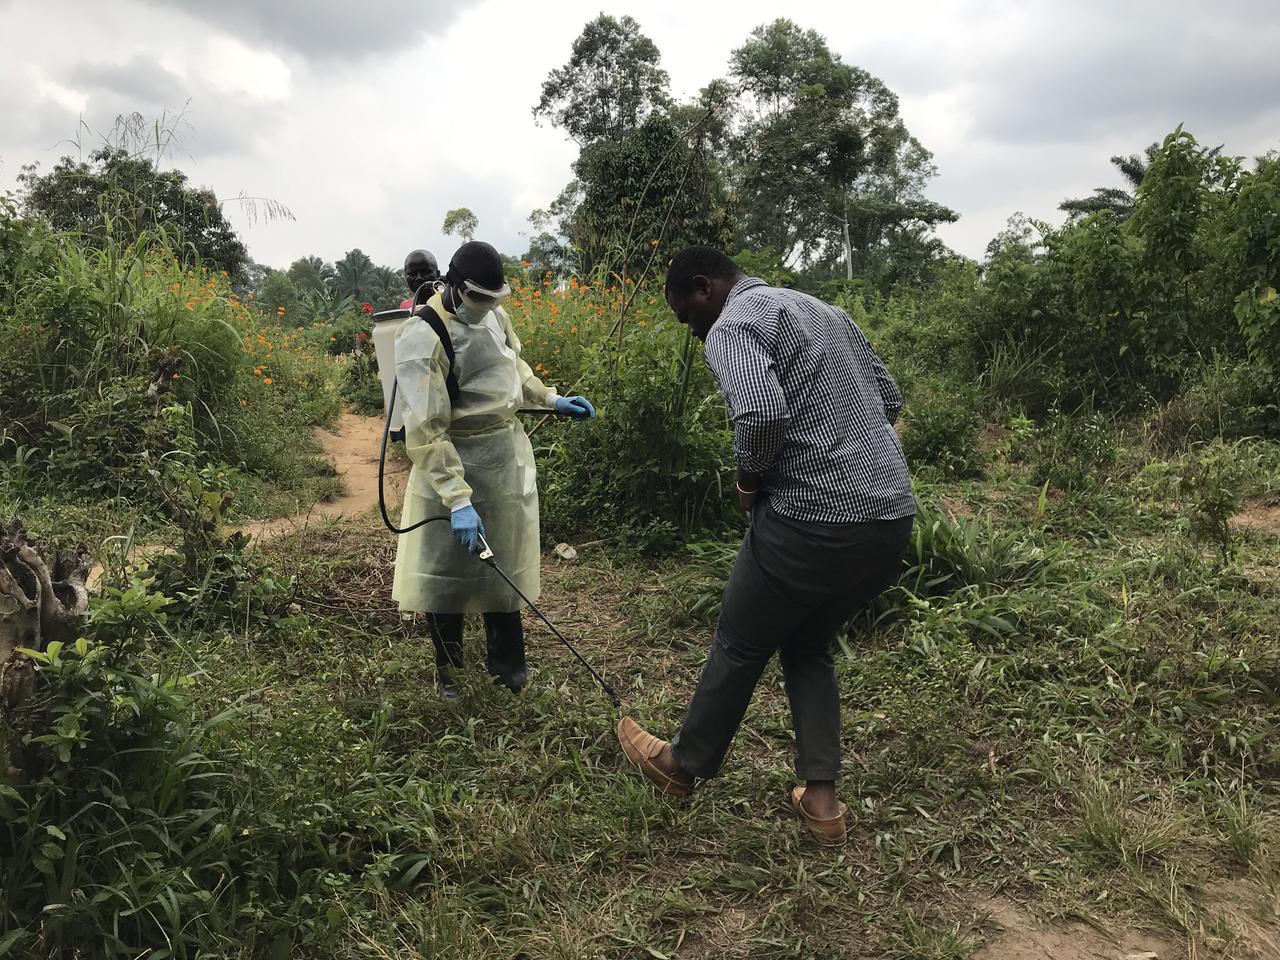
(446, 635)
(504, 637)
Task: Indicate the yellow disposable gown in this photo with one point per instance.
(473, 450)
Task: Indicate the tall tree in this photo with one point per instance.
(1119, 200)
(385, 289)
(311, 274)
(278, 290)
(355, 276)
(251, 277)
(1116, 199)
(461, 222)
(648, 193)
(824, 164)
(125, 194)
(547, 253)
(611, 83)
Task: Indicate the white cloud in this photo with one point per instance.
(229, 67)
(60, 94)
(369, 121)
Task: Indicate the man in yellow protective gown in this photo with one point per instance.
(472, 462)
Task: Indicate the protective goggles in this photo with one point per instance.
(482, 297)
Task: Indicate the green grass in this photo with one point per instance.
(1089, 758)
(1068, 703)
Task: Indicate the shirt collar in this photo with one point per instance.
(746, 283)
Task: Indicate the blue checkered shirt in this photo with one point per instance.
(813, 407)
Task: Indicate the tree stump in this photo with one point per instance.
(39, 603)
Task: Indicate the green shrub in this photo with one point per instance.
(114, 839)
(1018, 380)
(1223, 398)
(1208, 484)
(1067, 451)
(1120, 309)
(942, 427)
(657, 462)
(935, 330)
(946, 556)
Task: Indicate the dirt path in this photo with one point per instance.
(353, 448)
(1021, 937)
(1261, 516)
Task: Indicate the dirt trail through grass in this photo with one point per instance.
(353, 448)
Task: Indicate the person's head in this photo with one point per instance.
(476, 278)
(420, 267)
(698, 283)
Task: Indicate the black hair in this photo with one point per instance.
(478, 262)
(698, 262)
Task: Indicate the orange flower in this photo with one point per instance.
(268, 381)
(573, 329)
(191, 304)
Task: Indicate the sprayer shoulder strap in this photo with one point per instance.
(436, 323)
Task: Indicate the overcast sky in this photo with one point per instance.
(369, 120)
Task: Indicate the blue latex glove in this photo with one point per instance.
(579, 408)
(467, 528)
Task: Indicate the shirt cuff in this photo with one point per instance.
(460, 504)
(552, 397)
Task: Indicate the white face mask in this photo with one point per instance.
(471, 311)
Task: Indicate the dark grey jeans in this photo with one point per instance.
(793, 586)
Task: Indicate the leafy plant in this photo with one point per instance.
(1068, 451)
(942, 427)
(658, 454)
(1208, 483)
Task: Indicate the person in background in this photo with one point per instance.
(822, 475)
(472, 462)
(420, 268)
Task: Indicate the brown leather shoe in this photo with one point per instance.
(641, 747)
(830, 830)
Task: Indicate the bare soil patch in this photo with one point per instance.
(1023, 937)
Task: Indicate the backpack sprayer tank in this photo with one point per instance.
(386, 323)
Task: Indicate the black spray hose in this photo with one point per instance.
(382, 466)
(382, 460)
(487, 555)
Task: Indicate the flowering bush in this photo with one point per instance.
(122, 360)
